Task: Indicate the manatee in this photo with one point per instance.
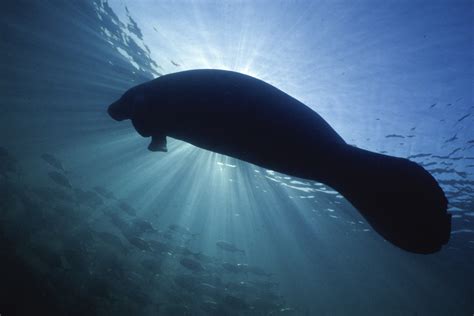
(246, 118)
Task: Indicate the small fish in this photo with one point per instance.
(191, 264)
(158, 246)
(464, 117)
(51, 194)
(139, 243)
(209, 306)
(89, 198)
(151, 265)
(253, 269)
(264, 284)
(187, 282)
(118, 222)
(227, 246)
(185, 251)
(111, 240)
(452, 138)
(265, 304)
(142, 226)
(4, 152)
(454, 151)
(394, 136)
(127, 208)
(60, 179)
(230, 267)
(208, 289)
(7, 162)
(53, 161)
(104, 192)
(181, 230)
(235, 302)
(418, 156)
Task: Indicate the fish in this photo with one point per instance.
(253, 269)
(187, 282)
(208, 290)
(186, 252)
(235, 302)
(139, 243)
(53, 161)
(227, 246)
(264, 284)
(152, 265)
(124, 206)
(104, 192)
(230, 267)
(90, 198)
(191, 264)
(180, 229)
(158, 246)
(51, 194)
(7, 162)
(111, 240)
(209, 306)
(142, 226)
(117, 221)
(60, 179)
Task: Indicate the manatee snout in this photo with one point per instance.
(120, 110)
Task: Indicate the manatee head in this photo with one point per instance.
(135, 106)
(128, 105)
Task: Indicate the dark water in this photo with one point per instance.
(92, 223)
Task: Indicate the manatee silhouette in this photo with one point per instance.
(246, 118)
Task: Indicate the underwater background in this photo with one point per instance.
(93, 223)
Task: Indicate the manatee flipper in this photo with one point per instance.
(158, 143)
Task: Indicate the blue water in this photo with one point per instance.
(93, 223)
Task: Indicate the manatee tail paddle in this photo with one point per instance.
(400, 199)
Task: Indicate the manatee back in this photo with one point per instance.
(225, 100)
